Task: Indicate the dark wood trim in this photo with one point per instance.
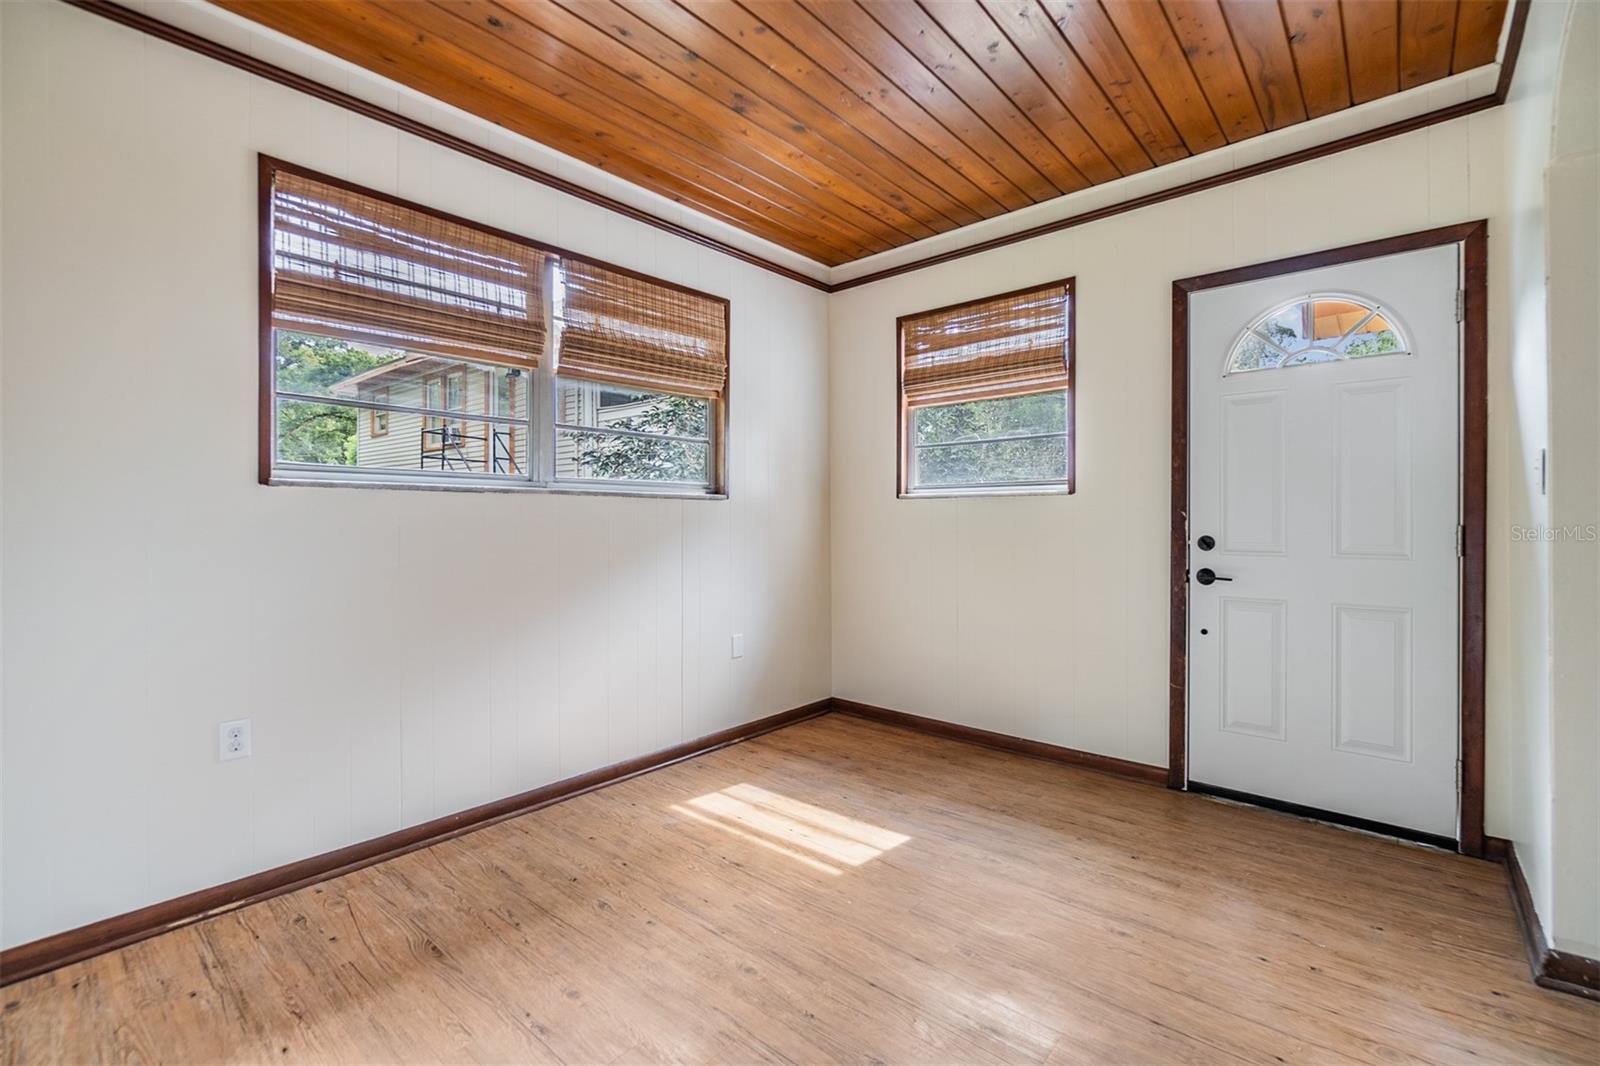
(1475, 526)
(108, 934)
(903, 409)
(1473, 239)
(193, 42)
(1519, 20)
(266, 400)
(1178, 549)
(1508, 61)
(1087, 760)
(1561, 971)
(154, 27)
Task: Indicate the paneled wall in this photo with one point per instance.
(402, 654)
(1047, 617)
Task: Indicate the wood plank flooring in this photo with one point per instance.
(842, 890)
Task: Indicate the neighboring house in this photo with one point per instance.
(402, 440)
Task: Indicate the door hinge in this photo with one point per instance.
(1461, 541)
(1458, 777)
(1461, 305)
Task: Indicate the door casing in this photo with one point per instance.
(1473, 239)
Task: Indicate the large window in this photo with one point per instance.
(986, 395)
(409, 347)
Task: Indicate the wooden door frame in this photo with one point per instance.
(1474, 419)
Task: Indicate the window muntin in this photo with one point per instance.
(403, 344)
(1320, 328)
(610, 433)
(986, 394)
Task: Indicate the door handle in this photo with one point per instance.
(1205, 575)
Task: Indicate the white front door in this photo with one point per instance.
(1324, 498)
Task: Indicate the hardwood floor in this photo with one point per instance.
(843, 890)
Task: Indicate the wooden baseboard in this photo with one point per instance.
(108, 934)
(1138, 771)
(1561, 971)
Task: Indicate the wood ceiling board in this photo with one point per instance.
(844, 128)
(527, 105)
(1091, 35)
(1263, 44)
(1149, 37)
(602, 91)
(537, 26)
(1478, 25)
(920, 36)
(1203, 33)
(813, 48)
(1052, 58)
(987, 45)
(670, 30)
(1372, 48)
(1316, 37)
(767, 100)
(868, 55)
(1427, 40)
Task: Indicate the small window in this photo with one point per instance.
(378, 419)
(1316, 329)
(986, 395)
(410, 346)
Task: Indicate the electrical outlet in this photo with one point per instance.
(233, 740)
(738, 645)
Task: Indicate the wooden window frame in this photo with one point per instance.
(903, 420)
(541, 387)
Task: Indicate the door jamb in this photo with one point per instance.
(1473, 238)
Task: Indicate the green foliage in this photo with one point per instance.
(1039, 459)
(637, 459)
(1373, 344)
(315, 432)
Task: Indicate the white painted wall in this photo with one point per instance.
(1046, 617)
(1573, 208)
(403, 654)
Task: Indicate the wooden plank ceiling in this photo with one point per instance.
(839, 128)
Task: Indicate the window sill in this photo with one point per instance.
(414, 485)
(967, 494)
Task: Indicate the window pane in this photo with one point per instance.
(334, 435)
(326, 366)
(615, 457)
(1034, 459)
(1042, 412)
(587, 403)
(662, 437)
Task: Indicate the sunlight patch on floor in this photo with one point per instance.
(813, 835)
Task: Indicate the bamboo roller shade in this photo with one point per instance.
(627, 330)
(1005, 346)
(362, 268)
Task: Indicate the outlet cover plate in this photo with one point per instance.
(233, 740)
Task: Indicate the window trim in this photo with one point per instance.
(269, 471)
(905, 423)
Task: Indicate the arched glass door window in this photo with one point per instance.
(1316, 329)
